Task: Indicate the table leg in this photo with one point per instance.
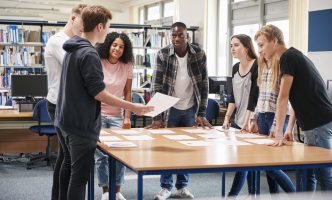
(258, 182)
(111, 178)
(139, 186)
(223, 183)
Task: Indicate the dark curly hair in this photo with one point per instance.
(103, 49)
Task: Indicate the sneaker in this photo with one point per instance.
(104, 196)
(183, 193)
(162, 194)
(119, 196)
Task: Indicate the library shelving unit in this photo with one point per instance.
(146, 39)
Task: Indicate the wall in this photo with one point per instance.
(320, 31)
(192, 13)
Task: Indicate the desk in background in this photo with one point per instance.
(160, 155)
(15, 136)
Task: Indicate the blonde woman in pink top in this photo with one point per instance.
(116, 55)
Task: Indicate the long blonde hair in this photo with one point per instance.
(275, 72)
(270, 32)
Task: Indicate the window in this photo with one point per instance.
(169, 9)
(141, 16)
(160, 13)
(244, 16)
(153, 12)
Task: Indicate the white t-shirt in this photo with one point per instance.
(54, 54)
(183, 87)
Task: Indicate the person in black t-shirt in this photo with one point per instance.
(303, 86)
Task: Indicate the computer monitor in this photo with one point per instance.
(219, 84)
(29, 85)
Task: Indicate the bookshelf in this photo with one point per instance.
(28, 53)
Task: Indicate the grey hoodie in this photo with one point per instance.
(77, 111)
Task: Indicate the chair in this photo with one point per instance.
(212, 111)
(137, 98)
(40, 114)
(9, 102)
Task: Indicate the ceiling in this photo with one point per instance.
(53, 10)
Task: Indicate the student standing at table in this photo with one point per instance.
(117, 59)
(53, 55)
(180, 72)
(303, 86)
(264, 118)
(244, 95)
(78, 107)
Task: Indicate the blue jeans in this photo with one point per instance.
(240, 177)
(274, 177)
(178, 118)
(102, 160)
(320, 137)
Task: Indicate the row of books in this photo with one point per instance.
(5, 75)
(19, 56)
(155, 38)
(15, 35)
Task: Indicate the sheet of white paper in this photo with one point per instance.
(248, 135)
(126, 132)
(195, 143)
(161, 102)
(231, 129)
(179, 137)
(260, 141)
(139, 137)
(232, 142)
(120, 144)
(197, 130)
(108, 138)
(103, 132)
(160, 131)
(212, 135)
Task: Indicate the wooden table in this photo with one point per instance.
(163, 155)
(15, 136)
(15, 115)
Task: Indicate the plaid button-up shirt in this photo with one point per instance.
(163, 79)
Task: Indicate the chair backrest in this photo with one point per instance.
(40, 113)
(212, 110)
(9, 102)
(136, 98)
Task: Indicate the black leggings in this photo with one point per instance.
(78, 161)
(55, 187)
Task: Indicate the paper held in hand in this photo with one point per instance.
(161, 102)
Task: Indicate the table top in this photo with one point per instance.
(15, 115)
(162, 153)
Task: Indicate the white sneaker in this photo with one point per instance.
(183, 193)
(119, 196)
(162, 194)
(104, 196)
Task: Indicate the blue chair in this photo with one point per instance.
(9, 102)
(137, 98)
(212, 111)
(40, 114)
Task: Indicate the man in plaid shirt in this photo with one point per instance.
(180, 72)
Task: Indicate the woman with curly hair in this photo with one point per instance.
(117, 59)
